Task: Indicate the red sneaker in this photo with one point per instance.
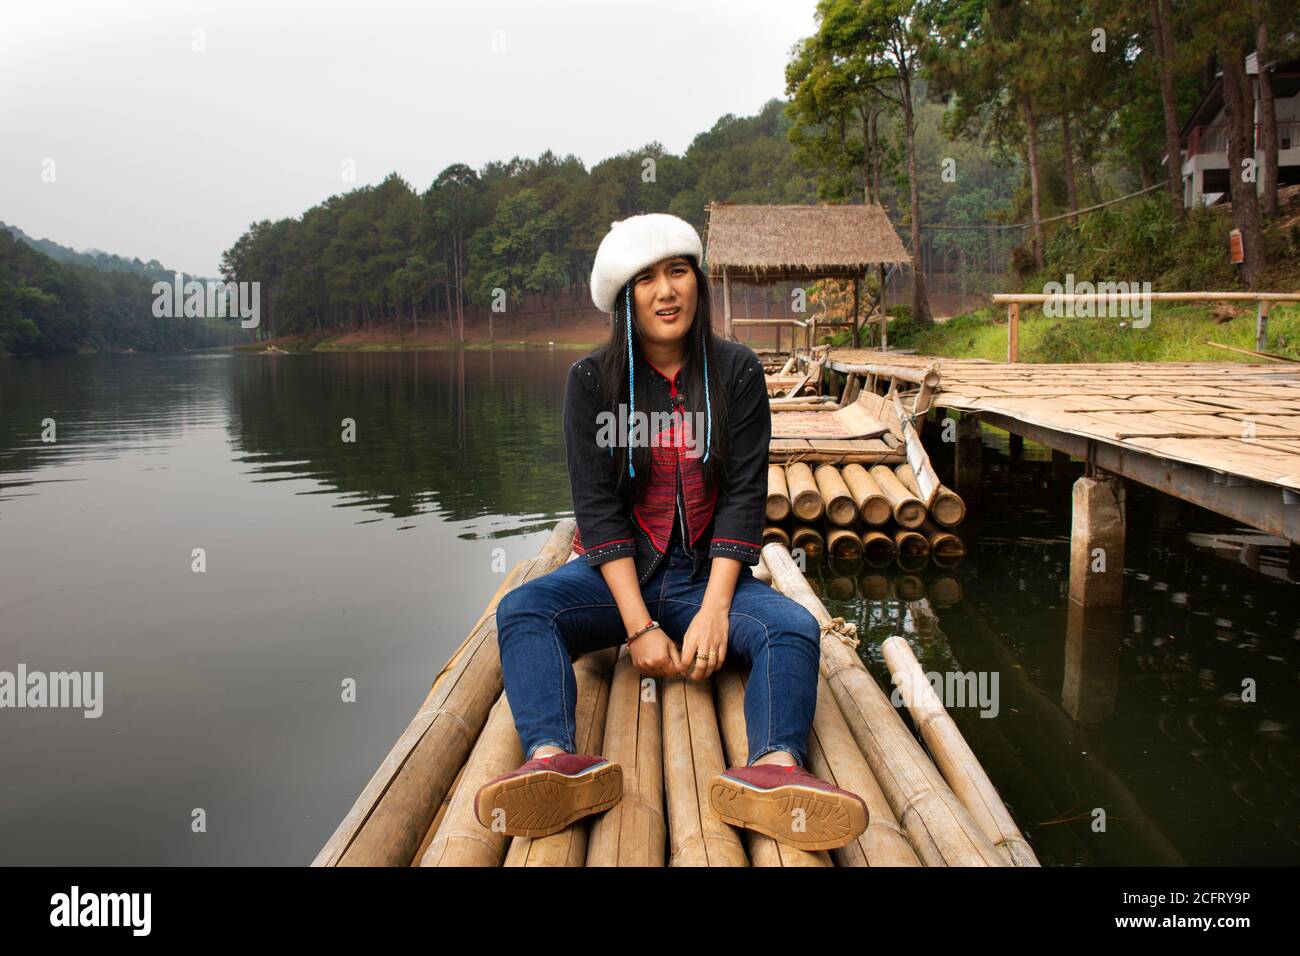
(546, 794)
(768, 798)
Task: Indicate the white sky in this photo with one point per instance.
(162, 152)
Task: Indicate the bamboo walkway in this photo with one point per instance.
(1223, 436)
(671, 736)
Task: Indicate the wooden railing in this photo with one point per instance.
(1013, 302)
(1214, 138)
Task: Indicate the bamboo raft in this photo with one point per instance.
(876, 497)
(671, 736)
(852, 512)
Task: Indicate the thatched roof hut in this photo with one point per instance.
(766, 244)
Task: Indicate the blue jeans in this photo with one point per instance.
(547, 622)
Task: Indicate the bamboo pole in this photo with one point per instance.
(1038, 298)
(692, 750)
(778, 534)
(388, 820)
(805, 498)
(844, 543)
(592, 673)
(908, 509)
(834, 756)
(953, 755)
(809, 539)
(437, 818)
(841, 509)
(633, 831)
(1272, 356)
(873, 506)
(461, 840)
(778, 494)
(944, 545)
(729, 693)
(913, 563)
(911, 544)
(947, 508)
(926, 480)
(939, 826)
(878, 546)
(901, 373)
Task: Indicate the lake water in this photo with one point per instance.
(330, 561)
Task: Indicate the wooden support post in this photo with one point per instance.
(884, 314)
(1097, 542)
(1015, 445)
(969, 459)
(1013, 332)
(1261, 326)
(1060, 467)
(856, 294)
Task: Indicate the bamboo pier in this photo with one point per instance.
(1222, 436)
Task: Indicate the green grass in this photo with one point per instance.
(1177, 333)
(1140, 241)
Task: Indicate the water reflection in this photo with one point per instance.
(326, 561)
(1135, 712)
(1139, 712)
(432, 432)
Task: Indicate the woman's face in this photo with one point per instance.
(665, 295)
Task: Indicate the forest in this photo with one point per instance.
(83, 301)
(954, 115)
(984, 127)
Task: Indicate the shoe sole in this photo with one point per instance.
(829, 820)
(543, 802)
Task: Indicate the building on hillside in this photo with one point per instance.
(1205, 136)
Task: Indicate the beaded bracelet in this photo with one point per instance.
(649, 626)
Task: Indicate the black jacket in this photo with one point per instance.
(606, 527)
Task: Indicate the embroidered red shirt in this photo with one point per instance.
(728, 521)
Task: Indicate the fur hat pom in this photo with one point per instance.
(634, 243)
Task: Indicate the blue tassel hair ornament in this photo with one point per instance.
(631, 375)
(631, 385)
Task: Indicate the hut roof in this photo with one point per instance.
(771, 242)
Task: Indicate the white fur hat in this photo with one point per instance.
(634, 243)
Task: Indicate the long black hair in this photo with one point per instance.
(700, 354)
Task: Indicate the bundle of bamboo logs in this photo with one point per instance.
(671, 736)
(877, 514)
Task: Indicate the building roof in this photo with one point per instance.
(1285, 83)
(774, 242)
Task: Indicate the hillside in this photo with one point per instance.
(48, 307)
(1138, 241)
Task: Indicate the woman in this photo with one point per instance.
(666, 433)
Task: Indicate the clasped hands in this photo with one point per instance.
(704, 647)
